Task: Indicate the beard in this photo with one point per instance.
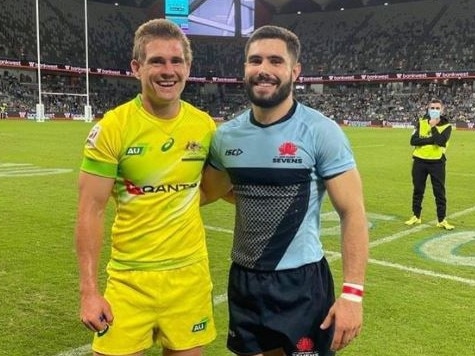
(266, 102)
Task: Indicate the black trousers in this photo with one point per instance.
(436, 171)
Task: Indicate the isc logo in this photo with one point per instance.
(233, 152)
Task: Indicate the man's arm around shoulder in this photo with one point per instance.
(215, 184)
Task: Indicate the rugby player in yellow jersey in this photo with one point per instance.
(148, 155)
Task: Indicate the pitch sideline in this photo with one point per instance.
(333, 256)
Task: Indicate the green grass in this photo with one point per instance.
(419, 301)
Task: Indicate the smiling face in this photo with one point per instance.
(162, 71)
(269, 73)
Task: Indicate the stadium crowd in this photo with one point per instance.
(427, 35)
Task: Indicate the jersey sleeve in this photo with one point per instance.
(334, 153)
(102, 148)
(214, 158)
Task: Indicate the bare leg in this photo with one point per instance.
(140, 353)
(197, 351)
(275, 352)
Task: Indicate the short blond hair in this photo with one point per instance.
(159, 28)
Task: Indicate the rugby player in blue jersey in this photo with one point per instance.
(280, 158)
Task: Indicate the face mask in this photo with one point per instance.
(434, 114)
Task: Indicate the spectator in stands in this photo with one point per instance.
(148, 154)
(3, 111)
(430, 140)
(400, 37)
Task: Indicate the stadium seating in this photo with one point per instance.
(428, 35)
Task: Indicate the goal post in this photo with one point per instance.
(88, 113)
(40, 108)
(86, 116)
(87, 107)
(40, 112)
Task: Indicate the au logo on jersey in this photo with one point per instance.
(134, 151)
(200, 326)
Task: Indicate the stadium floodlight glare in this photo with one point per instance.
(40, 108)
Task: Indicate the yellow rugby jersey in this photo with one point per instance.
(157, 165)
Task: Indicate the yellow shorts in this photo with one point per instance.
(172, 307)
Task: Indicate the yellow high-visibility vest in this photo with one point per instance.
(429, 151)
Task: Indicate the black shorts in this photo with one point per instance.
(280, 309)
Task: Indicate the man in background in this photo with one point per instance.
(3, 111)
(430, 140)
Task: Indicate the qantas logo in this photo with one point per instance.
(132, 189)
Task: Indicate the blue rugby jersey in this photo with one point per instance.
(277, 172)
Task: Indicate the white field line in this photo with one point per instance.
(398, 235)
(333, 256)
(213, 228)
(462, 174)
(417, 228)
(424, 272)
(368, 146)
(79, 351)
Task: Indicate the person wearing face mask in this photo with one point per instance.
(430, 140)
(281, 158)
